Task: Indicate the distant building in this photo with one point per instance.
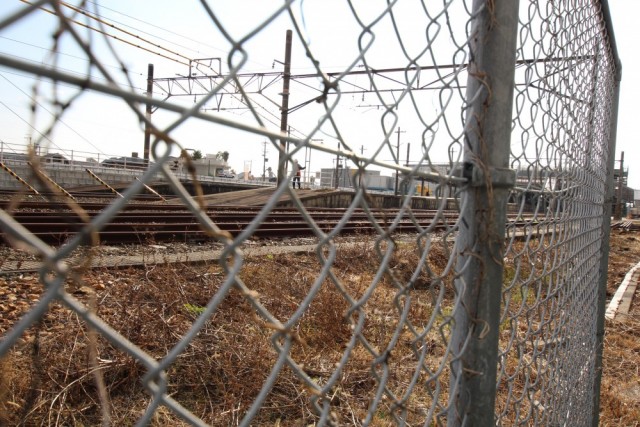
(373, 180)
(344, 178)
(209, 165)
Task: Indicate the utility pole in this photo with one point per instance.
(264, 162)
(284, 110)
(397, 159)
(620, 188)
(406, 188)
(147, 128)
(408, 146)
(337, 163)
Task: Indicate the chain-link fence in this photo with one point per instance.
(492, 313)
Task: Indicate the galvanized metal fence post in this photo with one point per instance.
(606, 220)
(492, 43)
(604, 260)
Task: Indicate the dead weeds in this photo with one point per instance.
(47, 378)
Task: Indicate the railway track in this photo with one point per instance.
(626, 225)
(142, 223)
(145, 223)
(98, 194)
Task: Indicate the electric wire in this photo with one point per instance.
(109, 35)
(200, 42)
(101, 6)
(126, 84)
(31, 126)
(122, 24)
(108, 24)
(106, 34)
(65, 54)
(71, 72)
(58, 118)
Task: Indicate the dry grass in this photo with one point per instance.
(47, 378)
(620, 394)
(49, 381)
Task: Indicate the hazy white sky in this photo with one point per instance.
(627, 32)
(103, 125)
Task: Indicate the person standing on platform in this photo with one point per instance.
(296, 176)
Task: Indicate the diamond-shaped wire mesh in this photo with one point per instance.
(560, 150)
(355, 331)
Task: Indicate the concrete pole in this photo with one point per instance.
(147, 128)
(620, 188)
(284, 110)
(408, 149)
(337, 170)
(395, 193)
(406, 187)
(264, 161)
(480, 242)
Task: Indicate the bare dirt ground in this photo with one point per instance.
(48, 380)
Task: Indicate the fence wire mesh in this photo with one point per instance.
(356, 331)
(563, 110)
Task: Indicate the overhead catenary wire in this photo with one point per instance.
(109, 35)
(124, 84)
(190, 39)
(106, 34)
(181, 46)
(102, 6)
(129, 33)
(227, 92)
(68, 55)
